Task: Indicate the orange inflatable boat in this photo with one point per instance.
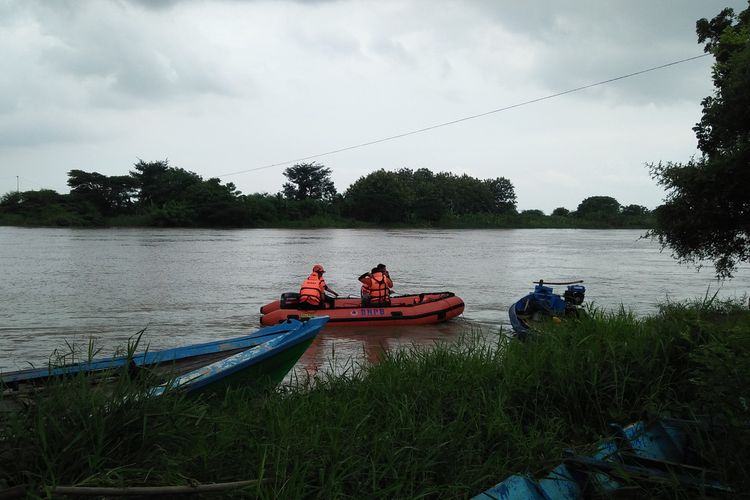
(417, 309)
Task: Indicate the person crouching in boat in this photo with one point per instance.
(365, 290)
(312, 291)
(377, 283)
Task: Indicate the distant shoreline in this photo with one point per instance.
(555, 223)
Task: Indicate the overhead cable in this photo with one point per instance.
(466, 118)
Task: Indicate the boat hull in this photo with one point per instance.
(175, 360)
(256, 368)
(520, 326)
(416, 309)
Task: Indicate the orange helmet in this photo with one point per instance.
(317, 268)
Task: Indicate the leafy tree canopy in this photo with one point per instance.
(380, 197)
(420, 196)
(635, 210)
(109, 195)
(598, 206)
(503, 195)
(534, 212)
(706, 214)
(309, 180)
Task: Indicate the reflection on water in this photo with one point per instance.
(187, 286)
(345, 349)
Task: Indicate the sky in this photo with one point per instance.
(233, 86)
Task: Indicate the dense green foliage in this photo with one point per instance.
(309, 181)
(707, 210)
(420, 196)
(157, 194)
(441, 422)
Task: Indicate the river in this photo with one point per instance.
(63, 287)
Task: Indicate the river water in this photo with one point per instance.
(63, 287)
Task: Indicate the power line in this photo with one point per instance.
(466, 118)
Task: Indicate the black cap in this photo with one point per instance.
(381, 266)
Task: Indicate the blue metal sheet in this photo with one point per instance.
(514, 488)
(560, 485)
(660, 441)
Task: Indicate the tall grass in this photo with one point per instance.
(447, 422)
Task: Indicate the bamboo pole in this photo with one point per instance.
(21, 491)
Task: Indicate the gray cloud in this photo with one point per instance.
(221, 86)
(113, 52)
(37, 131)
(581, 42)
(166, 4)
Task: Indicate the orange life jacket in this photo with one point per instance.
(311, 290)
(380, 292)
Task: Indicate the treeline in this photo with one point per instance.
(157, 194)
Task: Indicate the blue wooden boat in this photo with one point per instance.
(261, 366)
(642, 453)
(544, 305)
(174, 361)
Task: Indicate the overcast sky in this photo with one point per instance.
(219, 87)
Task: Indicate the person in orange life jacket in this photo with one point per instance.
(312, 291)
(378, 284)
(365, 290)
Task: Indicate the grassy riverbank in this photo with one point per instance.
(443, 422)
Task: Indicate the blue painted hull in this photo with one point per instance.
(520, 327)
(260, 366)
(647, 452)
(191, 354)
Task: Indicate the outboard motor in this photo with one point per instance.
(543, 299)
(289, 300)
(574, 294)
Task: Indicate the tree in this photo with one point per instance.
(11, 201)
(262, 208)
(159, 183)
(534, 212)
(309, 180)
(426, 202)
(706, 214)
(216, 204)
(503, 195)
(109, 194)
(598, 207)
(469, 195)
(561, 212)
(635, 211)
(379, 197)
(409, 196)
(472, 196)
(47, 207)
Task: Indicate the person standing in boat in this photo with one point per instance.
(376, 286)
(312, 291)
